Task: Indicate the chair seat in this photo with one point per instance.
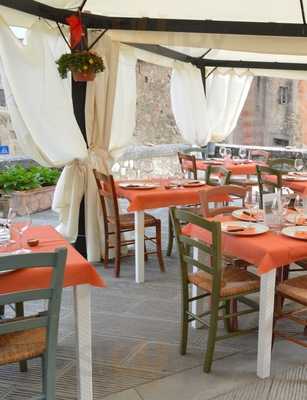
(295, 288)
(234, 281)
(127, 221)
(18, 346)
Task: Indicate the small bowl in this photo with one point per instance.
(33, 242)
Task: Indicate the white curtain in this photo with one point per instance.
(110, 121)
(201, 118)
(40, 105)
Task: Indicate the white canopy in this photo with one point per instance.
(110, 103)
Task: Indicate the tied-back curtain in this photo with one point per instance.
(212, 117)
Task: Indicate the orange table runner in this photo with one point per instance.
(160, 197)
(267, 251)
(77, 271)
(244, 168)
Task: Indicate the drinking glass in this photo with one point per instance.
(299, 207)
(148, 168)
(277, 215)
(19, 225)
(228, 153)
(299, 164)
(242, 153)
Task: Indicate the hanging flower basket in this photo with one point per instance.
(84, 65)
(85, 76)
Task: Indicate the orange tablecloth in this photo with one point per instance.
(141, 200)
(247, 168)
(77, 271)
(267, 251)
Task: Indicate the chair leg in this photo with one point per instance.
(279, 301)
(184, 321)
(159, 246)
(145, 252)
(211, 335)
(226, 310)
(19, 310)
(234, 323)
(49, 376)
(170, 236)
(117, 256)
(106, 251)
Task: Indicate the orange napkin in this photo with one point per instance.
(244, 231)
(254, 216)
(301, 234)
(301, 221)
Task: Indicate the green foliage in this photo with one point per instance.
(81, 61)
(19, 178)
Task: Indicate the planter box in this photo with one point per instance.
(35, 200)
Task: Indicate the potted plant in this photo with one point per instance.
(84, 65)
(28, 188)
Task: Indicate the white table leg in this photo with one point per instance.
(139, 246)
(197, 307)
(267, 294)
(82, 310)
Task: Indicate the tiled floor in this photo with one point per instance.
(135, 343)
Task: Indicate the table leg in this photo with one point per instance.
(139, 246)
(267, 295)
(82, 310)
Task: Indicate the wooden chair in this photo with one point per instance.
(259, 155)
(294, 289)
(282, 164)
(116, 224)
(266, 185)
(215, 194)
(36, 335)
(222, 284)
(188, 164)
(217, 175)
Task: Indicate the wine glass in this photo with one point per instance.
(148, 168)
(19, 225)
(299, 164)
(242, 152)
(222, 152)
(250, 203)
(228, 153)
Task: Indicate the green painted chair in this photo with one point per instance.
(34, 336)
(222, 284)
(217, 175)
(267, 185)
(282, 164)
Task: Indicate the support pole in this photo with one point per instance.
(78, 98)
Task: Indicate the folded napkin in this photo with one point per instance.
(301, 221)
(301, 234)
(254, 216)
(240, 229)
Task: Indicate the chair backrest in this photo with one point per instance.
(188, 164)
(259, 155)
(282, 164)
(186, 245)
(216, 194)
(217, 175)
(50, 318)
(198, 152)
(269, 179)
(108, 198)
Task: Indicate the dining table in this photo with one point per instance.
(267, 252)
(160, 196)
(236, 167)
(79, 274)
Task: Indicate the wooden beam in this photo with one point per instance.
(162, 51)
(160, 25)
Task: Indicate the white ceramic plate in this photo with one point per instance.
(239, 214)
(254, 229)
(138, 186)
(194, 183)
(291, 217)
(291, 231)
